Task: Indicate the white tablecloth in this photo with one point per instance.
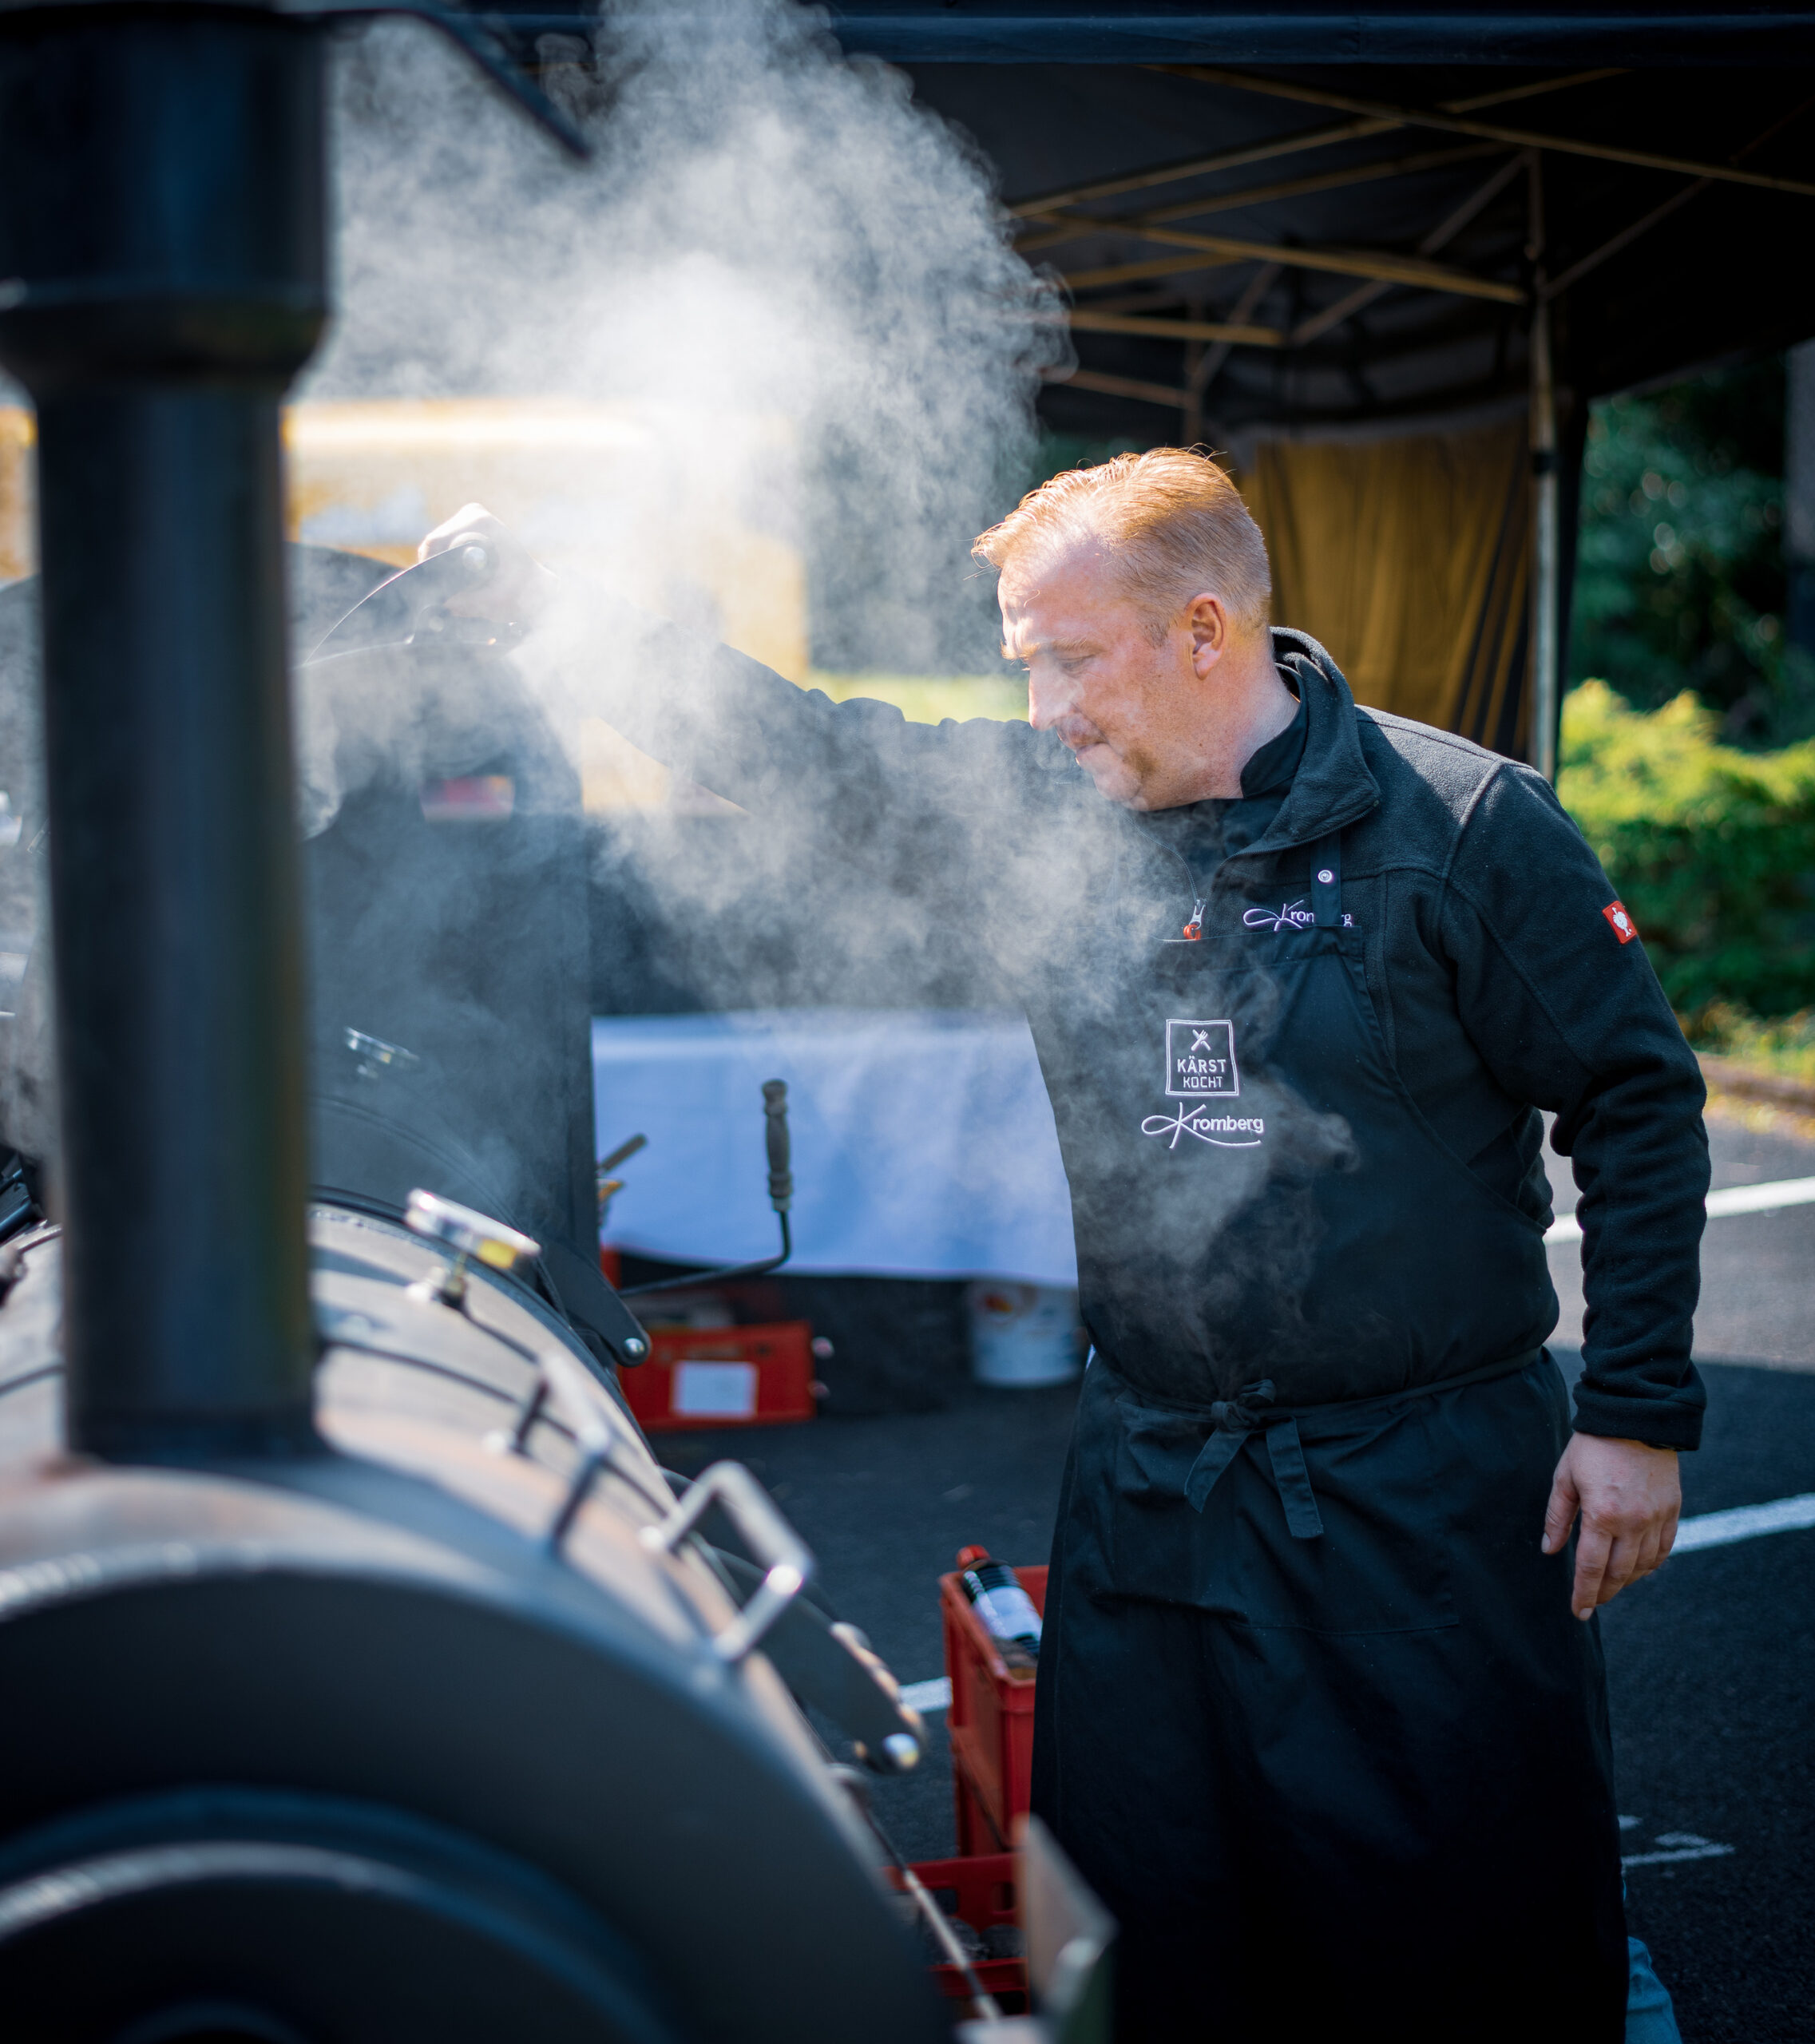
(923, 1142)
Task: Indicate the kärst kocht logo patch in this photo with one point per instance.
(1200, 1061)
(1624, 928)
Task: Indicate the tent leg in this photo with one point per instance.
(1545, 552)
(1546, 536)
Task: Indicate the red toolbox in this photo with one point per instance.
(724, 1376)
(990, 1720)
(980, 1889)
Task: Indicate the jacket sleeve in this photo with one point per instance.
(742, 731)
(886, 849)
(1565, 1010)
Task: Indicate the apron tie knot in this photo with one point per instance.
(1246, 1411)
(1232, 1420)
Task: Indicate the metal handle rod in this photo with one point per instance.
(590, 1417)
(987, 2008)
(775, 1136)
(781, 1198)
(785, 1558)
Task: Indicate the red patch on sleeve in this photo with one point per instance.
(1624, 928)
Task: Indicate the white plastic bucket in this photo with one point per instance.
(1023, 1335)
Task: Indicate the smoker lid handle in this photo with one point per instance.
(784, 1557)
(409, 605)
(776, 1134)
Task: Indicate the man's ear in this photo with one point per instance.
(1209, 622)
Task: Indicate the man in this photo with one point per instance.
(1322, 1705)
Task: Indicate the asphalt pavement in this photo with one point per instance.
(1712, 1662)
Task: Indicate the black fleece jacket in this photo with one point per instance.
(1503, 984)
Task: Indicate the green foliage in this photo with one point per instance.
(1784, 1046)
(1679, 578)
(1711, 848)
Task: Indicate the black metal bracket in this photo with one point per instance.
(481, 42)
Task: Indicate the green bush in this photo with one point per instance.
(1679, 569)
(1783, 1045)
(1711, 848)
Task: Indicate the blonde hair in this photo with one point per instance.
(1172, 523)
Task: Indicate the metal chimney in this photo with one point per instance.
(162, 278)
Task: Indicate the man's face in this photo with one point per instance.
(1132, 711)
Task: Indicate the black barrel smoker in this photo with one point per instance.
(361, 1677)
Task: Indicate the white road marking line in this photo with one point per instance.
(1686, 1852)
(1731, 1199)
(1707, 1529)
(1716, 1529)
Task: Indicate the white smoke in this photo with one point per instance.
(766, 230)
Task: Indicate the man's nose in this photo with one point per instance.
(1047, 700)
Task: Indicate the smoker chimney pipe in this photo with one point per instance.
(162, 278)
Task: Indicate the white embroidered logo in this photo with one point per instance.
(1294, 916)
(1200, 1066)
(1200, 1060)
(1227, 1131)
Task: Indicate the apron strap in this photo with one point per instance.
(1234, 1420)
(1326, 881)
(1303, 1520)
(1219, 1451)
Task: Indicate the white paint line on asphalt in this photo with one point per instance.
(1716, 1529)
(928, 1696)
(1729, 1200)
(1687, 1852)
(1707, 1529)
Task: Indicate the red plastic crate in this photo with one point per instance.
(990, 1721)
(981, 1890)
(724, 1376)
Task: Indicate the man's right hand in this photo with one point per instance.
(520, 589)
(1629, 1496)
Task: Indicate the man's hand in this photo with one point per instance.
(520, 589)
(1629, 1497)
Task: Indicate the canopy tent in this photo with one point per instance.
(1292, 234)
(1342, 246)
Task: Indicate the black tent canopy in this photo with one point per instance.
(1356, 242)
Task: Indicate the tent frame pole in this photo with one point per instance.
(1546, 510)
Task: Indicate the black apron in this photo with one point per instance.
(1314, 1715)
(1257, 1193)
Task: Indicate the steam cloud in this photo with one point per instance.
(766, 230)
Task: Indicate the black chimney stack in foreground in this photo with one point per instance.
(162, 278)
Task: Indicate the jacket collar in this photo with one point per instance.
(1332, 786)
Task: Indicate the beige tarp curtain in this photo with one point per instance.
(1408, 559)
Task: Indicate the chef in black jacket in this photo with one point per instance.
(1321, 1708)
